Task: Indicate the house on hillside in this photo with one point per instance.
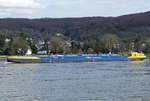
(7, 40)
(29, 52)
(41, 48)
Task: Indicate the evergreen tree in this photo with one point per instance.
(2, 43)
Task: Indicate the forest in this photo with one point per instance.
(76, 35)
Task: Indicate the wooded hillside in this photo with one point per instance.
(126, 27)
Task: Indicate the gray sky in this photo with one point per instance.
(70, 8)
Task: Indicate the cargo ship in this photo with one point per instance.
(122, 56)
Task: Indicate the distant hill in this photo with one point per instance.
(128, 26)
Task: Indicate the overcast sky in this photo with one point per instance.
(70, 8)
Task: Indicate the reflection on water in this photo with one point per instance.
(141, 62)
(140, 67)
(101, 81)
(25, 64)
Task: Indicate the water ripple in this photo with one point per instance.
(100, 81)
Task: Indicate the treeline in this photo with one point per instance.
(81, 29)
(15, 45)
(108, 43)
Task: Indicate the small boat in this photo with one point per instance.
(123, 56)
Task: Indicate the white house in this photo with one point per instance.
(29, 52)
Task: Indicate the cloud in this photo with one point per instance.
(71, 8)
(66, 3)
(19, 4)
(80, 8)
(12, 7)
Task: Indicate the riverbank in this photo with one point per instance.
(3, 58)
(148, 55)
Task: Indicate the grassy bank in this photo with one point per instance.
(3, 58)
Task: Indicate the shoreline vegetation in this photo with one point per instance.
(89, 35)
(60, 44)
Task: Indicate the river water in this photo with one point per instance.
(101, 81)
